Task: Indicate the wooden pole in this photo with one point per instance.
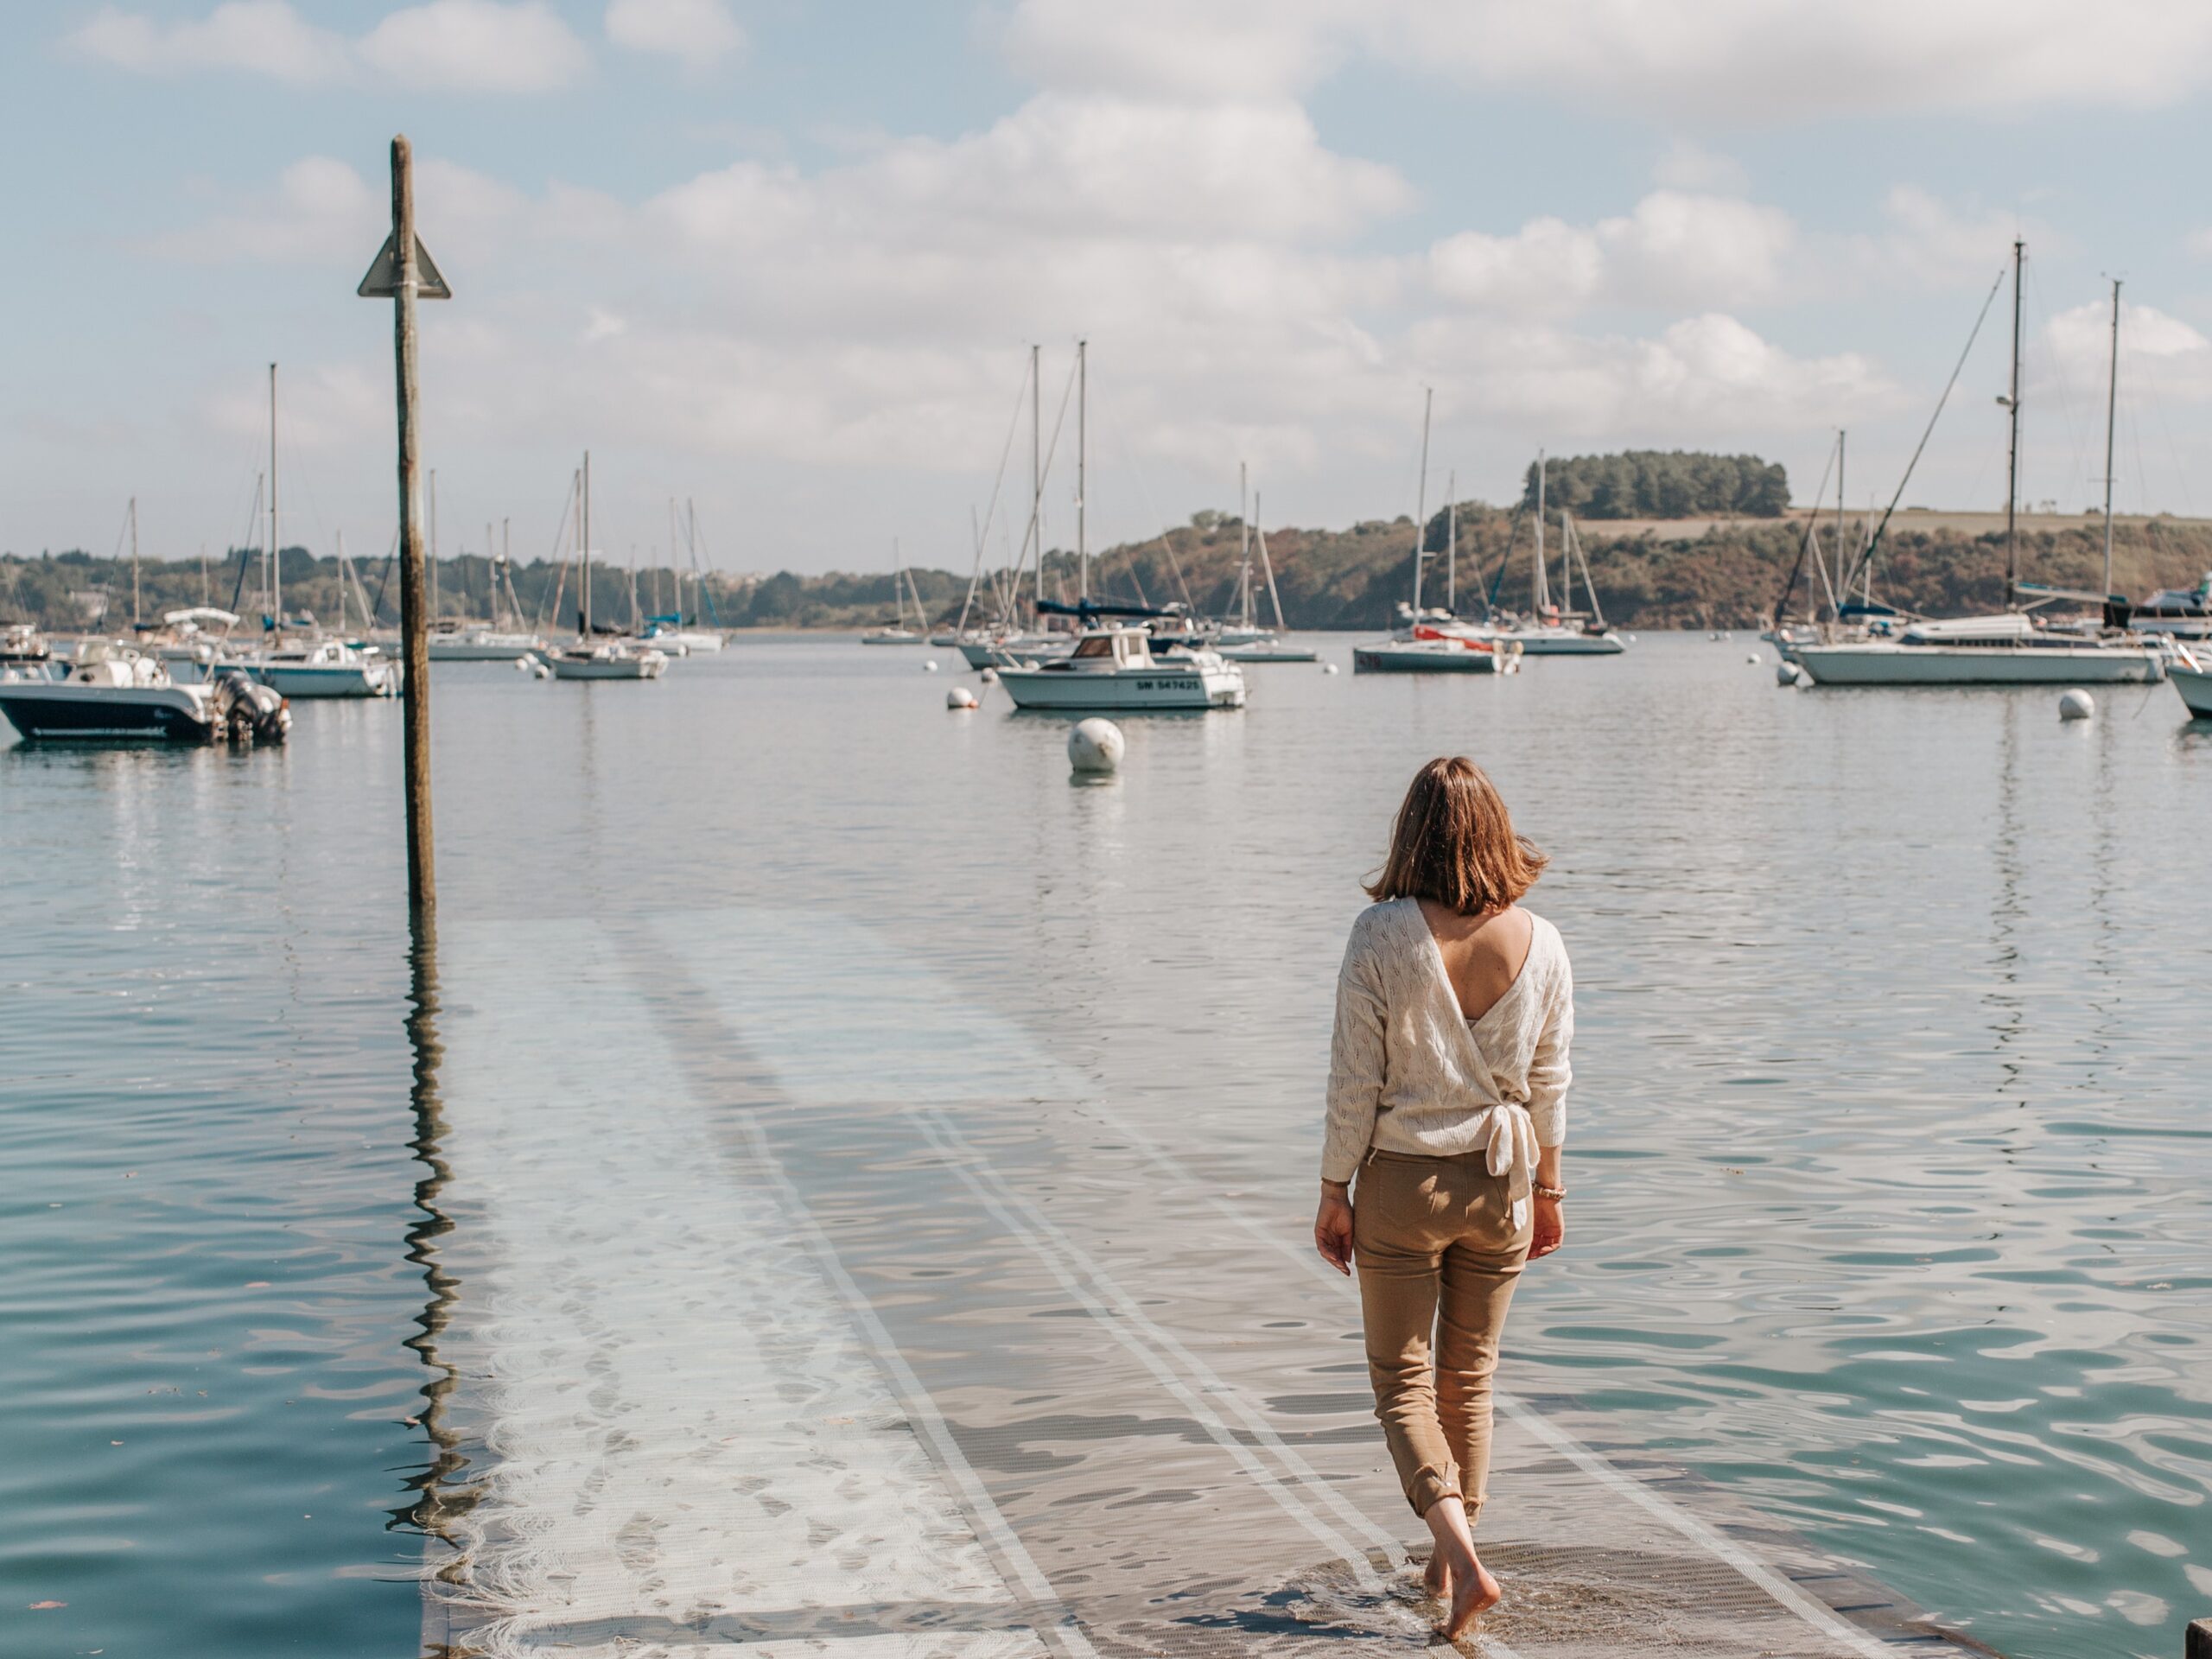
(2200, 1639)
(414, 617)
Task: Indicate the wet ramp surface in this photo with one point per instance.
(806, 1307)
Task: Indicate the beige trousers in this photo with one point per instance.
(1438, 1256)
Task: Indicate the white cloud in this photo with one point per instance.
(2160, 356)
(494, 46)
(1706, 62)
(265, 37)
(1688, 166)
(324, 211)
(1674, 250)
(700, 32)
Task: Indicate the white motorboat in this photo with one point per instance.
(1268, 648)
(119, 691)
(2192, 677)
(1562, 639)
(325, 668)
(611, 660)
(995, 650)
(2183, 612)
(1114, 671)
(2008, 649)
(483, 644)
(683, 642)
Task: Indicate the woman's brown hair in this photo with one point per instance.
(1454, 844)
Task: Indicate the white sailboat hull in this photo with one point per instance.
(1163, 686)
(1431, 657)
(1564, 642)
(304, 681)
(485, 648)
(644, 665)
(1269, 650)
(1886, 663)
(2195, 685)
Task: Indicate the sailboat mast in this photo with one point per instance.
(1842, 564)
(2111, 405)
(2013, 447)
(1082, 462)
(1243, 549)
(583, 541)
(1539, 577)
(272, 576)
(1420, 498)
(1452, 541)
(1037, 470)
(134, 559)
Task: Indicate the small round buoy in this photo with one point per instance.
(960, 697)
(1328, 668)
(2077, 705)
(543, 671)
(929, 667)
(1753, 659)
(990, 677)
(1786, 673)
(1094, 745)
(525, 664)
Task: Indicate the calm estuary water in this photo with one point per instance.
(1892, 1214)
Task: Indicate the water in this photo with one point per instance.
(1892, 1213)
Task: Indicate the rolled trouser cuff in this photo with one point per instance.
(1431, 1486)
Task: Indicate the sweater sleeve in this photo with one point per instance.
(1357, 1061)
(1548, 1071)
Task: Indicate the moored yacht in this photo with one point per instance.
(325, 667)
(612, 659)
(2192, 677)
(1112, 671)
(2008, 649)
(22, 642)
(482, 645)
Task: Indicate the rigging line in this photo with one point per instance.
(246, 548)
(1128, 455)
(1806, 543)
(982, 536)
(1875, 540)
(1512, 536)
(555, 556)
(1034, 534)
(390, 557)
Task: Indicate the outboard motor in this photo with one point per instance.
(246, 710)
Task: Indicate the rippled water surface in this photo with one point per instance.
(1892, 1169)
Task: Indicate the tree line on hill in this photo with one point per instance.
(1728, 576)
(1660, 484)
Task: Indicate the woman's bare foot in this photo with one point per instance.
(1436, 1578)
(1473, 1591)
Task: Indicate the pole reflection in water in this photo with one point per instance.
(441, 1497)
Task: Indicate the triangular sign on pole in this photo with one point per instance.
(383, 281)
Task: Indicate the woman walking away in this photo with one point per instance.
(1447, 1100)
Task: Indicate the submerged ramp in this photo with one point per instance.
(808, 1305)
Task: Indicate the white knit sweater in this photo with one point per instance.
(1409, 1072)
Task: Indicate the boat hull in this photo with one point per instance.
(2195, 685)
(59, 710)
(475, 651)
(1567, 644)
(623, 668)
(308, 682)
(1134, 691)
(1264, 652)
(1431, 657)
(1884, 664)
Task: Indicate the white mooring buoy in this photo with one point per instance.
(525, 664)
(960, 697)
(1753, 659)
(989, 676)
(1094, 745)
(929, 667)
(2077, 705)
(1786, 673)
(541, 672)
(1328, 668)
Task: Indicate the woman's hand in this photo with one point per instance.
(1551, 1228)
(1332, 1226)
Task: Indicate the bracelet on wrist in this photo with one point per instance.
(1554, 1193)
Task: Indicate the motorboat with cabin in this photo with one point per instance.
(326, 669)
(2181, 612)
(21, 643)
(118, 691)
(1112, 670)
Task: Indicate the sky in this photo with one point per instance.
(787, 261)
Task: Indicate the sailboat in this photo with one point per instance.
(2008, 648)
(503, 638)
(1424, 643)
(592, 659)
(1251, 643)
(897, 632)
(1111, 666)
(315, 667)
(1548, 631)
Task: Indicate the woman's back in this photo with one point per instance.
(1483, 954)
